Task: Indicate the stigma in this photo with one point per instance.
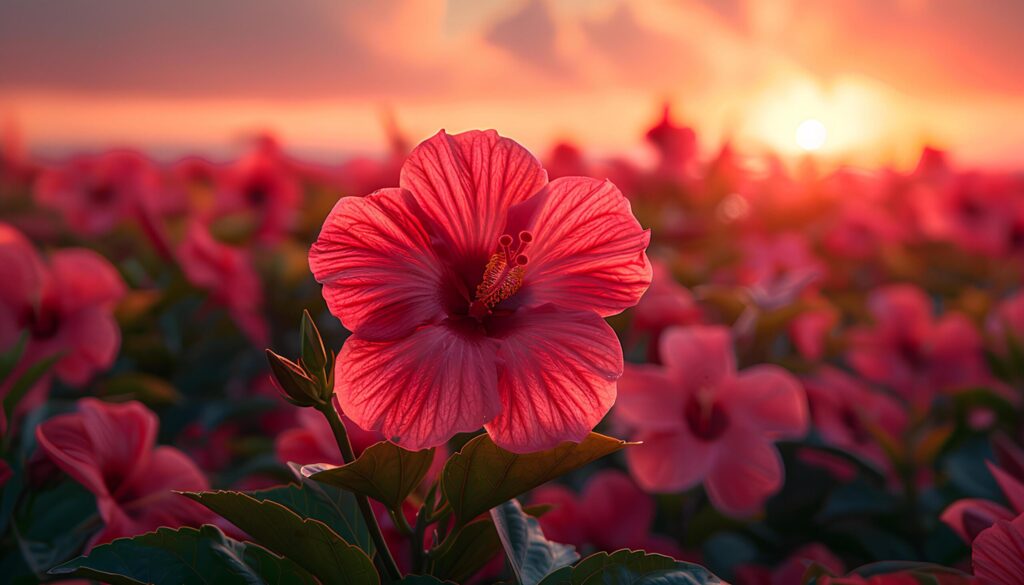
(503, 275)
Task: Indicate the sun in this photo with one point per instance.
(811, 135)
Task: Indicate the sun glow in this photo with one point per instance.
(811, 135)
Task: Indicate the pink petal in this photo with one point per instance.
(955, 516)
(564, 523)
(741, 481)
(557, 378)
(152, 500)
(121, 437)
(83, 279)
(1011, 487)
(23, 269)
(900, 306)
(91, 339)
(669, 462)
(768, 399)
(63, 439)
(381, 275)
(700, 355)
(466, 184)
(649, 399)
(998, 553)
(422, 390)
(588, 251)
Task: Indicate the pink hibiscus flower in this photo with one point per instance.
(611, 513)
(848, 414)
(109, 449)
(313, 442)
(96, 193)
(65, 304)
(997, 555)
(666, 303)
(912, 353)
(1007, 322)
(475, 293)
(227, 273)
(676, 146)
(702, 421)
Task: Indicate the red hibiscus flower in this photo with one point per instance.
(66, 306)
(262, 188)
(227, 273)
(970, 516)
(109, 449)
(475, 293)
(611, 513)
(913, 353)
(96, 193)
(701, 421)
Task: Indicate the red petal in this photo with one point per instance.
(768, 399)
(466, 184)
(84, 279)
(649, 399)
(740, 483)
(92, 338)
(701, 356)
(380, 273)
(64, 441)
(955, 515)
(557, 378)
(998, 553)
(588, 251)
(669, 462)
(422, 390)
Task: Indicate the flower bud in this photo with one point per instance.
(297, 386)
(314, 356)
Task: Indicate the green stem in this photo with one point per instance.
(387, 562)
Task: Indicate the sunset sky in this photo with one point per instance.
(882, 77)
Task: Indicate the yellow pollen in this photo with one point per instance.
(500, 281)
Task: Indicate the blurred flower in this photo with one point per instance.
(970, 516)
(912, 353)
(998, 553)
(665, 304)
(313, 442)
(720, 422)
(852, 416)
(790, 571)
(810, 329)
(109, 449)
(475, 294)
(228, 274)
(1006, 323)
(676, 146)
(611, 513)
(96, 193)
(565, 160)
(64, 304)
(262, 189)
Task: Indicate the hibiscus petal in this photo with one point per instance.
(998, 553)
(557, 378)
(84, 279)
(92, 339)
(381, 275)
(63, 439)
(649, 399)
(421, 390)
(588, 251)
(1011, 487)
(741, 481)
(768, 399)
(121, 436)
(976, 511)
(611, 499)
(23, 270)
(466, 184)
(700, 356)
(669, 462)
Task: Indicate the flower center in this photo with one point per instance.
(705, 416)
(503, 274)
(42, 324)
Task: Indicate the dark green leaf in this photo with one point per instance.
(474, 546)
(529, 553)
(184, 556)
(10, 358)
(314, 356)
(886, 567)
(334, 507)
(384, 472)
(421, 580)
(24, 383)
(310, 543)
(625, 567)
(483, 475)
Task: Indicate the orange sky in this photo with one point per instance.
(883, 76)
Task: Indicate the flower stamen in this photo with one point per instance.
(503, 275)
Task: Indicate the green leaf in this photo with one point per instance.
(475, 545)
(334, 507)
(150, 390)
(384, 472)
(626, 567)
(24, 383)
(310, 543)
(9, 359)
(184, 556)
(483, 475)
(530, 554)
